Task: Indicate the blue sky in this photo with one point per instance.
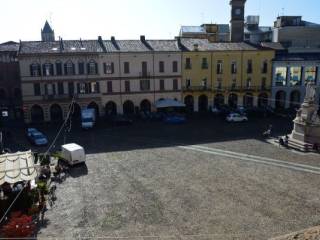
(128, 19)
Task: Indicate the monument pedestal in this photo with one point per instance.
(303, 136)
(306, 131)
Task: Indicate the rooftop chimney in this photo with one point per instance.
(114, 43)
(143, 40)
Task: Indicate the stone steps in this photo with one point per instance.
(301, 146)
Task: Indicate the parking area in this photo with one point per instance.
(206, 179)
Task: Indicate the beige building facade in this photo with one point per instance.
(114, 77)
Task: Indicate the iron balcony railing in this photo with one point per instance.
(196, 88)
(230, 88)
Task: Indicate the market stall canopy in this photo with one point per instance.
(17, 167)
(164, 103)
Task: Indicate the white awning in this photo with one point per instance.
(17, 167)
(169, 103)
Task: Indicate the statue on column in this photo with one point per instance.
(310, 93)
(308, 111)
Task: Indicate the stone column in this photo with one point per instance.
(46, 113)
(226, 99)
(196, 103)
(303, 75)
(240, 99)
(288, 76)
(120, 108)
(255, 99)
(287, 99)
(272, 102)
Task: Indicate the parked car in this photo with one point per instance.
(36, 137)
(236, 117)
(120, 120)
(30, 131)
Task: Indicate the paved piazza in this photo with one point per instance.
(206, 179)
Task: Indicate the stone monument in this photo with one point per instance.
(306, 131)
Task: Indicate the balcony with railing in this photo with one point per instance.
(195, 88)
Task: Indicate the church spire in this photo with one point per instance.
(47, 33)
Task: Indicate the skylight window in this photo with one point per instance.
(54, 49)
(83, 48)
(73, 49)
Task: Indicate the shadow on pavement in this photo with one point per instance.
(143, 135)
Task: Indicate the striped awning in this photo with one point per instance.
(17, 167)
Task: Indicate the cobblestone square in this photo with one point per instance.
(192, 181)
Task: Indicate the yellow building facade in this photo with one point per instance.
(234, 74)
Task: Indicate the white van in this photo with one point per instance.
(73, 154)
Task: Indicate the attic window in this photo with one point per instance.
(54, 49)
(73, 49)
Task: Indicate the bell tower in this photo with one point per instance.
(237, 20)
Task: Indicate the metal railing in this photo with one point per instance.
(229, 88)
